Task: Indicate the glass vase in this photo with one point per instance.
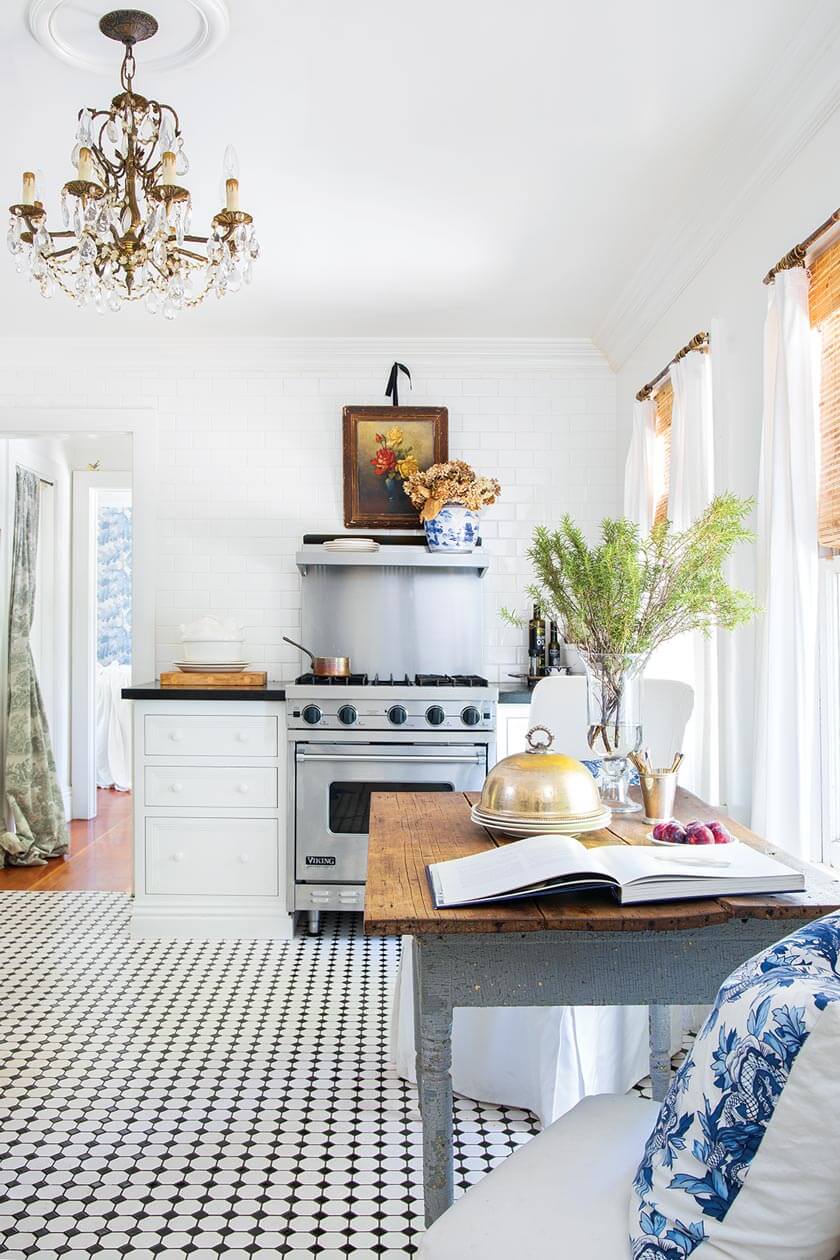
(614, 714)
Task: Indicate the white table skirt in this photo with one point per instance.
(544, 1059)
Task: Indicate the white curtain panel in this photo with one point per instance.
(640, 469)
(784, 780)
(693, 658)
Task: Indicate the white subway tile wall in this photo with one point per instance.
(250, 459)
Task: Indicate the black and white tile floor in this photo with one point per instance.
(161, 1100)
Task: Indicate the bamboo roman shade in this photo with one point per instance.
(664, 400)
(824, 301)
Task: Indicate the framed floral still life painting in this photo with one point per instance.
(383, 446)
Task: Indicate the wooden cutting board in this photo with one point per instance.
(184, 678)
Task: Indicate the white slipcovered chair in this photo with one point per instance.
(545, 1059)
(565, 1192)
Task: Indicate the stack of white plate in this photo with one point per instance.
(544, 825)
(351, 544)
(211, 667)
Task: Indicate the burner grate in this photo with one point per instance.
(450, 680)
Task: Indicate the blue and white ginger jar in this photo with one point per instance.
(455, 528)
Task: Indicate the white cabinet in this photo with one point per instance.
(210, 819)
(512, 725)
(222, 735)
(200, 857)
(225, 787)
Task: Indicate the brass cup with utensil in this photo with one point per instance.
(659, 787)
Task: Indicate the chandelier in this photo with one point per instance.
(126, 213)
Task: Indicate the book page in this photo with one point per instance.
(647, 863)
(514, 866)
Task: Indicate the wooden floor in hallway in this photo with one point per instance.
(99, 859)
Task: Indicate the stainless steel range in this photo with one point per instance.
(351, 737)
(400, 609)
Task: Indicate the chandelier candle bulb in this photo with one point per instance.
(168, 169)
(28, 194)
(232, 194)
(86, 165)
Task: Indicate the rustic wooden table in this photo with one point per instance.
(552, 951)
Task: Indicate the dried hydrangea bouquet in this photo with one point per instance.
(450, 498)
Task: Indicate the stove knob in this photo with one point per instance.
(470, 716)
(397, 714)
(435, 715)
(311, 715)
(347, 715)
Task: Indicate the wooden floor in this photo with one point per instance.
(99, 859)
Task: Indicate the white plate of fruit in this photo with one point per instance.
(674, 833)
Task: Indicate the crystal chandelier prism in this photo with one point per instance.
(126, 213)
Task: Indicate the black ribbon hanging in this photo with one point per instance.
(391, 390)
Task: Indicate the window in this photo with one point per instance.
(664, 401)
(824, 301)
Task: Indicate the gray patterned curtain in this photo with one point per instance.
(33, 799)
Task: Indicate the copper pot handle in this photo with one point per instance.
(311, 655)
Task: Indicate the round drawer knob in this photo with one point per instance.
(243, 858)
(177, 857)
(242, 737)
(242, 788)
(176, 736)
(176, 787)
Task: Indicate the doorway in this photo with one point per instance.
(81, 641)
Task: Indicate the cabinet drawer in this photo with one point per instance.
(211, 786)
(194, 736)
(211, 857)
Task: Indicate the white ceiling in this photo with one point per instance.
(456, 168)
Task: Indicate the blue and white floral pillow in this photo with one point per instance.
(741, 1164)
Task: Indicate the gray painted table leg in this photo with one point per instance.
(659, 1018)
(433, 1043)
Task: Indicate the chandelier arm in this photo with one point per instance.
(188, 253)
(197, 240)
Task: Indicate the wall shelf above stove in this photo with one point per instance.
(413, 557)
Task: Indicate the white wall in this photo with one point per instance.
(727, 297)
(249, 456)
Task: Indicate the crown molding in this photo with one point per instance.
(353, 355)
(795, 99)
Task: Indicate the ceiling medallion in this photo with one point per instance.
(126, 214)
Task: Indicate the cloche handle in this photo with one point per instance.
(538, 745)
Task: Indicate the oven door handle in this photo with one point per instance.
(405, 759)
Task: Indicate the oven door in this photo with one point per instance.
(333, 786)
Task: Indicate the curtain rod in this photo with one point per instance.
(43, 480)
(796, 257)
(700, 341)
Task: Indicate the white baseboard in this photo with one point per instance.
(233, 925)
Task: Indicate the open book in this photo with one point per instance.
(633, 873)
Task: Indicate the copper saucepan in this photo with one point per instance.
(324, 666)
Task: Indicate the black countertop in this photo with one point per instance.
(512, 693)
(153, 691)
